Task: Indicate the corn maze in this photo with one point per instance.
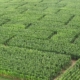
(38, 39)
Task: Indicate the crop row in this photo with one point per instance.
(40, 6)
(31, 11)
(61, 41)
(55, 20)
(31, 64)
(46, 45)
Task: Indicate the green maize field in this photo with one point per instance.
(39, 39)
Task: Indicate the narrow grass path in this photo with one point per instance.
(73, 62)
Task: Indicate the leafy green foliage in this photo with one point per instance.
(31, 64)
(45, 33)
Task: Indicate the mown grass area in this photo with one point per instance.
(38, 38)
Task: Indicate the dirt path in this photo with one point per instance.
(63, 71)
